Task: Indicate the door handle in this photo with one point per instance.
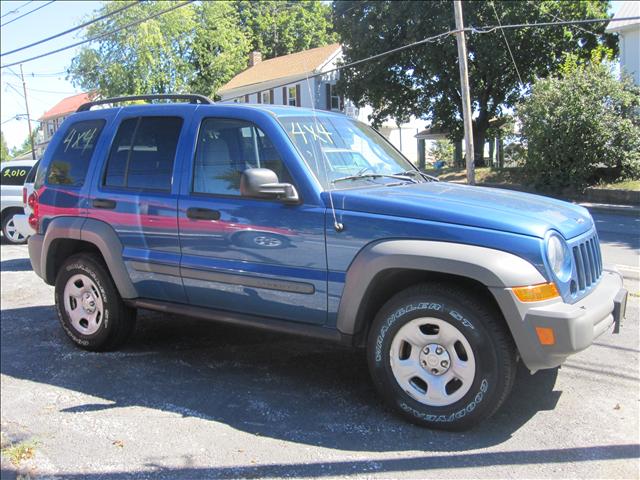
(196, 213)
(104, 203)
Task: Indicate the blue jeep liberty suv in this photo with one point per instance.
(311, 223)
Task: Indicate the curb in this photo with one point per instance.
(630, 210)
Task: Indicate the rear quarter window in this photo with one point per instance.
(14, 175)
(70, 161)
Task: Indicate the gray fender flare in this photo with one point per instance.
(492, 268)
(98, 233)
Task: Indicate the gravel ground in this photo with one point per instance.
(189, 399)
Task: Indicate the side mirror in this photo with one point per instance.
(264, 183)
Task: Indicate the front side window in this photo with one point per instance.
(335, 147)
(70, 160)
(226, 148)
(143, 154)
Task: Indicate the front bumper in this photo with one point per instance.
(575, 327)
(22, 224)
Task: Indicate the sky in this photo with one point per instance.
(43, 92)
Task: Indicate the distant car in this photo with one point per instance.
(12, 178)
(22, 221)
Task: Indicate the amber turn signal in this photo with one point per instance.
(536, 293)
(545, 335)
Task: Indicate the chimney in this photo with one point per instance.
(254, 58)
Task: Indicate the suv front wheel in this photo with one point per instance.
(89, 306)
(441, 357)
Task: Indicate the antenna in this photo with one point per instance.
(336, 224)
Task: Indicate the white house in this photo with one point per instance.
(629, 38)
(285, 81)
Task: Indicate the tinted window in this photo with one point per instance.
(14, 175)
(31, 177)
(143, 153)
(226, 148)
(70, 161)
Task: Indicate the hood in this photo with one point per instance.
(482, 207)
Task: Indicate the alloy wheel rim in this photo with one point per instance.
(432, 361)
(12, 231)
(83, 304)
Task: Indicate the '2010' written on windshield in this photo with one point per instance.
(312, 131)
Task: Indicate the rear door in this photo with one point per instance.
(137, 195)
(246, 255)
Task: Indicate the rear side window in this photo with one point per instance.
(143, 154)
(70, 160)
(14, 175)
(31, 177)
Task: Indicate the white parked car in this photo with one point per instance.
(22, 221)
(12, 177)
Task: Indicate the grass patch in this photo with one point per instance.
(624, 185)
(510, 176)
(17, 453)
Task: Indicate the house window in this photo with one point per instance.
(335, 99)
(291, 97)
(265, 97)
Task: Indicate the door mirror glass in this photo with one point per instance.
(264, 183)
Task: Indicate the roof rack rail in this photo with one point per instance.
(169, 96)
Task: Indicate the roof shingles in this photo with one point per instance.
(299, 63)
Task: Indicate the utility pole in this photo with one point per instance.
(26, 105)
(466, 100)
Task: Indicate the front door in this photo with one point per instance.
(260, 257)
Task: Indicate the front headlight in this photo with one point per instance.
(559, 257)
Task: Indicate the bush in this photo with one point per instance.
(580, 128)
(442, 151)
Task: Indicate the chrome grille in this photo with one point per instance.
(588, 261)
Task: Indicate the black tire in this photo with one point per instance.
(6, 222)
(492, 346)
(117, 320)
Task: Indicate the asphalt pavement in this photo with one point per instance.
(190, 399)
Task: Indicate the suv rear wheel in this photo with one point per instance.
(441, 357)
(89, 306)
(10, 231)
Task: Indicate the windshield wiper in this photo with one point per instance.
(429, 178)
(374, 175)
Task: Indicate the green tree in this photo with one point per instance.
(581, 127)
(278, 28)
(26, 144)
(424, 81)
(220, 48)
(4, 150)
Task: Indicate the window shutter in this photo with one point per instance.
(285, 99)
(246, 99)
(298, 96)
(259, 97)
(328, 96)
(272, 99)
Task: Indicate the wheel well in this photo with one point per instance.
(9, 211)
(63, 248)
(389, 282)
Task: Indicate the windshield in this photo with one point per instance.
(343, 153)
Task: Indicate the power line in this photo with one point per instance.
(507, 42)
(47, 91)
(28, 13)
(16, 10)
(86, 24)
(474, 30)
(98, 37)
